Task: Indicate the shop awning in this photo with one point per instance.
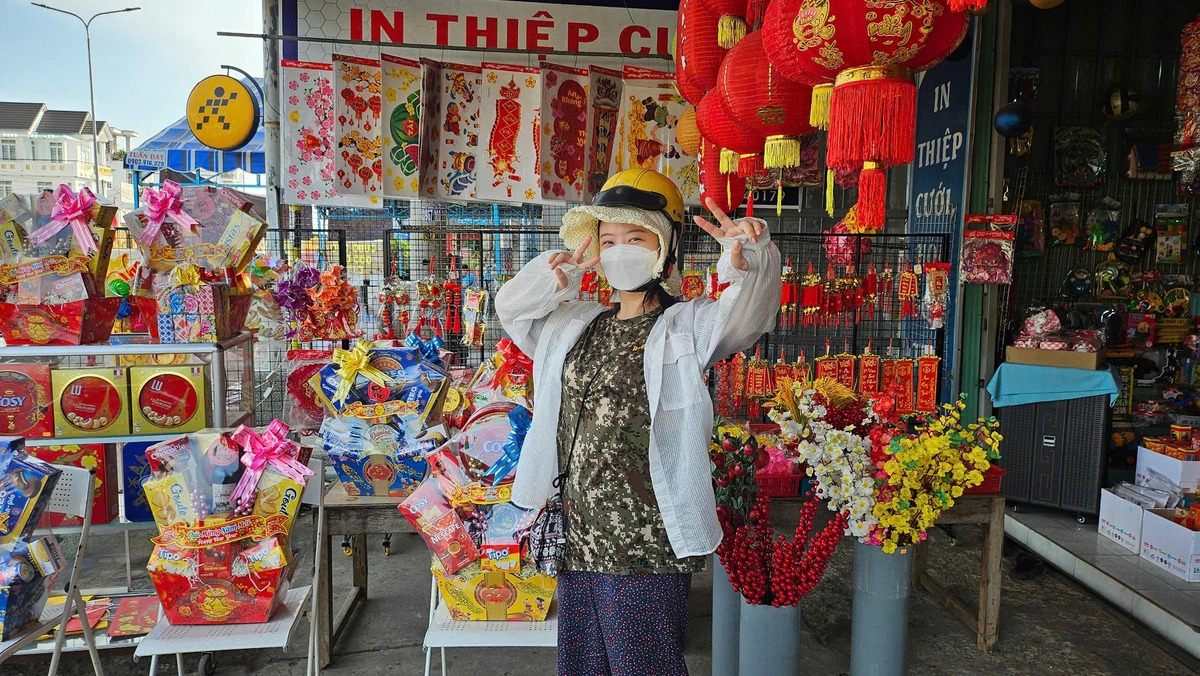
(176, 147)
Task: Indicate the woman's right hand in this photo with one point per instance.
(574, 259)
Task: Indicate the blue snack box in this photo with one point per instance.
(27, 571)
(25, 487)
(135, 469)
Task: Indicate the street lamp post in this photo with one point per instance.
(87, 25)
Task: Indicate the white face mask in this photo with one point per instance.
(628, 266)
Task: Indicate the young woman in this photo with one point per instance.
(622, 418)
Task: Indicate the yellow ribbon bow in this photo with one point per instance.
(354, 363)
(185, 275)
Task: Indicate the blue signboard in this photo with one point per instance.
(937, 192)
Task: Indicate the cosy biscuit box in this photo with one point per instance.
(25, 402)
(90, 402)
(101, 461)
(168, 399)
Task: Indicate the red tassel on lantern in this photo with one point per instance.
(972, 5)
(726, 189)
(872, 117)
(697, 53)
(872, 198)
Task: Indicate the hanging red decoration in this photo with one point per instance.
(697, 52)
(731, 21)
(972, 5)
(755, 94)
(726, 189)
(732, 138)
(870, 51)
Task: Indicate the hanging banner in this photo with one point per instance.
(306, 130)
(510, 134)
(650, 110)
(458, 116)
(431, 128)
(604, 92)
(358, 160)
(564, 132)
(401, 126)
(620, 26)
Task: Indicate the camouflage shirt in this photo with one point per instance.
(612, 519)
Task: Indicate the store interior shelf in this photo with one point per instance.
(143, 349)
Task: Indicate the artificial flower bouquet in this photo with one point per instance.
(382, 405)
(56, 246)
(483, 559)
(332, 313)
(28, 565)
(224, 502)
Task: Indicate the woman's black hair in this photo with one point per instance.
(657, 297)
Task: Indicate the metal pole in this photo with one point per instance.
(87, 31)
(270, 21)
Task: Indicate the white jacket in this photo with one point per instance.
(684, 343)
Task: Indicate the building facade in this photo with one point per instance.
(41, 148)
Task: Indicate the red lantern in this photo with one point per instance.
(697, 53)
(870, 49)
(726, 189)
(687, 133)
(732, 138)
(773, 107)
(731, 22)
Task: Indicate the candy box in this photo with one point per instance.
(25, 403)
(248, 589)
(475, 594)
(25, 487)
(374, 458)
(186, 308)
(166, 399)
(135, 469)
(101, 460)
(90, 402)
(27, 572)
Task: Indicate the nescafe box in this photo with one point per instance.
(91, 402)
(26, 409)
(168, 399)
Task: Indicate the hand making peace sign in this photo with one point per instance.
(728, 227)
(574, 259)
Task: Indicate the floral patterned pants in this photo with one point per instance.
(624, 625)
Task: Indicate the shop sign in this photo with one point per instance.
(146, 160)
(222, 112)
(633, 27)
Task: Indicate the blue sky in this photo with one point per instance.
(144, 62)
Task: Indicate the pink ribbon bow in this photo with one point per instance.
(162, 204)
(273, 449)
(70, 209)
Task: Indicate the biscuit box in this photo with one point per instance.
(135, 469)
(25, 403)
(168, 399)
(25, 487)
(101, 460)
(90, 402)
(27, 571)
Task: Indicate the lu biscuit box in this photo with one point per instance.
(90, 402)
(25, 404)
(168, 399)
(101, 460)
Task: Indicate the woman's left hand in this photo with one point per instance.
(728, 227)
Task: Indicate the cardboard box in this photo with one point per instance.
(90, 402)
(1062, 358)
(134, 470)
(168, 399)
(1120, 521)
(25, 402)
(27, 572)
(25, 487)
(473, 594)
(1170, 546)
(1182, 472)
(99, 458)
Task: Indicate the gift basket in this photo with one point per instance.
(28, 565)
(224, 502)
(53, 263)
(379, 399)
(196, 241)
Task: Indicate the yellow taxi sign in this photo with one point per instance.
(222, 112)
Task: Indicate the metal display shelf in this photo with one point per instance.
(123, 438)
(26, 351)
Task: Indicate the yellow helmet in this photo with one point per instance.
(643, 181)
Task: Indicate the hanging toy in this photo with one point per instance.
(832, 303)
(692, 285)
(783, 373)
(937, 291)
(758, 383)
(810, 295)
(789, 297)
(800, 370)
(474, 316)
(887, 285)
(738, 370)
(868, 371)
(589, 285)
(908, 292)
(870, 290)
(453, 295)
(826, 365)
(724, 373)
(851, 295)
(927, 381)
(604, 293)
(845, 366)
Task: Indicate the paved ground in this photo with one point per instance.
(1049, 625)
